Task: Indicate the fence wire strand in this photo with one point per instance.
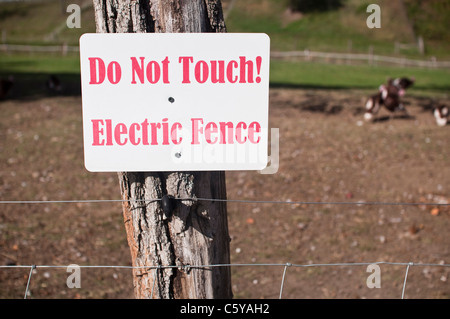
(305, 54)
(283, 278)
(205, 267)
(29, 280)
(406, 277)
(248, 201)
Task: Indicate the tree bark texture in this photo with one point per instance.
(195, 232)
(120, 16)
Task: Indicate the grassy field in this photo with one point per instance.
(341, 30)
(42, 22)
(293, 74)
(44, 64)
(320, 75)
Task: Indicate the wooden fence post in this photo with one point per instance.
(421, 45)
(193, 232)
(370, 54)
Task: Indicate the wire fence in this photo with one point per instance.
(308, 55)
(284, 266)
(358, 57)
(63, 49)
(249, 201)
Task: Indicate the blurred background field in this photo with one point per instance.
(341, 30)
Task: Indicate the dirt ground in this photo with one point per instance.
(327, 154)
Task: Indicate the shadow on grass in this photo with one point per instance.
(33, 85)
(305, 86)
(281, 85)
(393, 117)
(28, 86)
